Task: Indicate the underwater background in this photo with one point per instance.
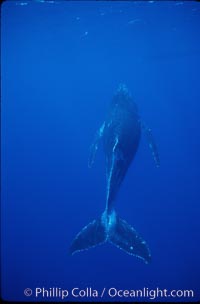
(61, 64)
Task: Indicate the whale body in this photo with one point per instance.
(121, 133)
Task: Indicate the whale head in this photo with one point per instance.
(123, 99)
(122, 96)
(122, 89)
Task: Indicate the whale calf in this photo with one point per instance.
(120, 133)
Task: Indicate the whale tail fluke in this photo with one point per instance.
(127, 238)
(90, 236)
(112, 229)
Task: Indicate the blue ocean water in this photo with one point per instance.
(61, 64)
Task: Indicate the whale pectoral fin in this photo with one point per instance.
(91, 235)
(126, 238)
(152, 144)
(94, 146)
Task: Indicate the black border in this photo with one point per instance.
(84, 302)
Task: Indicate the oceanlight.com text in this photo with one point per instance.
(150, 293)
(111, 292)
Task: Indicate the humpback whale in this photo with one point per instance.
(120, 133)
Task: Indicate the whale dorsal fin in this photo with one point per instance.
(152, 144)
(94, 146)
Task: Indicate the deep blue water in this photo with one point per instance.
(61, 64)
